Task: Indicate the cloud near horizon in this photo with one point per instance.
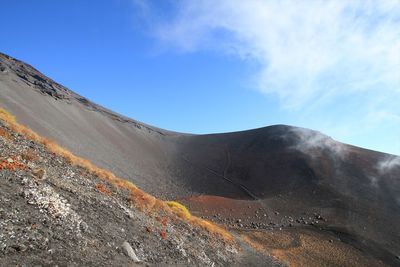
(311, 55)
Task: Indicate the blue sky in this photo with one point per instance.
(217, 66)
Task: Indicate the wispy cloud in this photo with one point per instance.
(306, 50)
(311, 54)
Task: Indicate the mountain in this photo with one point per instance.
(60, 210)
(317, 198)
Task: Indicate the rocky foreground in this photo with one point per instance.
(55, 213)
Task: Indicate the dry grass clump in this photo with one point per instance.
(183, 212)
(5, 115)
(179, 209)
(103, 189)
(138, 198)
(211, 228)
(163, 234)
(4, 134)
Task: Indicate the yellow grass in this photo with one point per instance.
(138, 198)
(184, 213)
(179, 209)
(5, 115)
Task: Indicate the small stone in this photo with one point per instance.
(83, 226)
(10, 160)
(20, 247)
(39, 174)
(128, 250)
(398, 257)
(331, 241)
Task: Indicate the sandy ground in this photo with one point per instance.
(303, 247)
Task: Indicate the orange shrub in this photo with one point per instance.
(164, 221)
(103, 189)
(11, 164)
(163, 234)
(5, 134)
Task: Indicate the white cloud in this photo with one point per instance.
(334, 62)
(306, 50)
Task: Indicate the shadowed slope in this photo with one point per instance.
(293, 173)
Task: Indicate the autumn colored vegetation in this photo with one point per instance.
(11, 164)
(179, 209)
(7, 116)
(103, 189)
(140, 199)
(4, 134)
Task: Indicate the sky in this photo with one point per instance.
(206, 66)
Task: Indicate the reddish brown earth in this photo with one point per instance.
(299, 178)
(297, 245)
(303, 247)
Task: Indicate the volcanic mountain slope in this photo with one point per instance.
(269, 179)
(59, 210)
(129, 148)
(296, 178)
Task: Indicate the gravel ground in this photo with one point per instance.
(53, 213)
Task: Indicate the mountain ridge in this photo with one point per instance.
(291, 175)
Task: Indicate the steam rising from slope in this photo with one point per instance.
(309, 141)
(388, 164)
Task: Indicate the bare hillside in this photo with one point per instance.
(289, 182)
(56, 212)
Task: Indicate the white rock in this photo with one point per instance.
(128, 250)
